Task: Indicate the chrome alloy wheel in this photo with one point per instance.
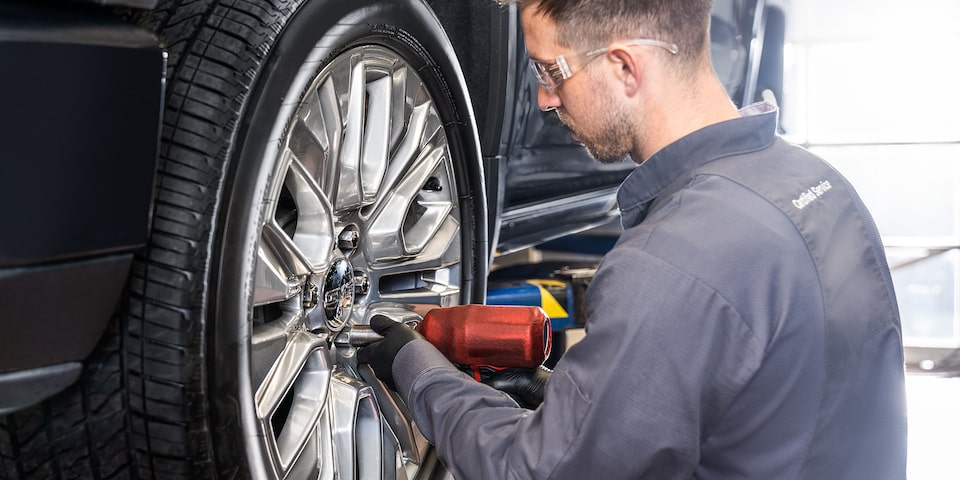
(360, 217)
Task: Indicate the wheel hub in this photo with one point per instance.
(338, 294)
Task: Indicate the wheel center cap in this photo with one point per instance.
(338, 293)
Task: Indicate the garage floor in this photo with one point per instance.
(933, 409)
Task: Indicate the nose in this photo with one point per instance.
(547, 100)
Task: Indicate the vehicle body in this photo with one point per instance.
(200, 198)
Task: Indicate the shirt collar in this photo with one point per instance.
(755, 129)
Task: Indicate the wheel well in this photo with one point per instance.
(482, 44)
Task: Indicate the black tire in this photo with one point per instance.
(79, 433)
(177, 394)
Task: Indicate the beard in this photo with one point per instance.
(607, 140)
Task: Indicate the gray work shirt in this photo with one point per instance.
(744, 326)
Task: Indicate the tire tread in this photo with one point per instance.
(78, 434)
(214, 49)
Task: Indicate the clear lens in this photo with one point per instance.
(543, 75)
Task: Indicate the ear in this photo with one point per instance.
(627, 63)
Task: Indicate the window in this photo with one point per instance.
(874, 88)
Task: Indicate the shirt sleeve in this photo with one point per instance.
(663, 356)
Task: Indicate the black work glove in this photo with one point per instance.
(380, 354)
(525, 385)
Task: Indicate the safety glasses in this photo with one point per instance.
(551, 74)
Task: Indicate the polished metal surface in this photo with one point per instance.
(361, 218)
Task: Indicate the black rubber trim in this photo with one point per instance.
(55, 314)
(27, 387)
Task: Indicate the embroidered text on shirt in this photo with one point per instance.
(811, 194)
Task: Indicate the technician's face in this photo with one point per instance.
(584, 102)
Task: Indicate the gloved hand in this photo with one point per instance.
(380, 354)
(526, 385)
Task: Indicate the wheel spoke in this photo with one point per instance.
(310, 139)
(314, 234)
(400, 428)
(409, 145)
(299, 380)
(299, 348)
(376, 139)
(405, 88)
(348, 193)
(333, 129)
(443, 251)
(428, 287)
(279, 266)
(267, 344)
(308, 463)
(357, 429)
(410, 214)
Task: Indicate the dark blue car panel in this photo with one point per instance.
(79, 129)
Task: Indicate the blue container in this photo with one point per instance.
(555, 297)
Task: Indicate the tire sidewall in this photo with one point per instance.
(407, 27)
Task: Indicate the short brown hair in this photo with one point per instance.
(585, 24)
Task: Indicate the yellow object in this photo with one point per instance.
(548, 303)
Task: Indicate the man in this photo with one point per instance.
(745, 324)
